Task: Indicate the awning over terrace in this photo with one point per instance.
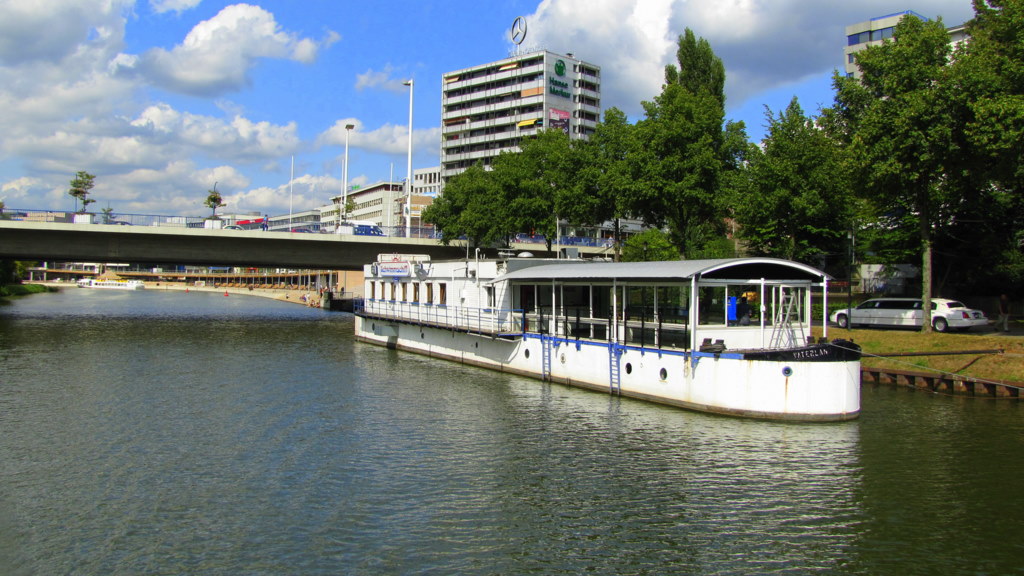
(769, 269)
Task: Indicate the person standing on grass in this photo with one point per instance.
(1004, 313)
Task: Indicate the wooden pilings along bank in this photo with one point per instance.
(952, 384)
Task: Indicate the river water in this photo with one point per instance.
(190, 433)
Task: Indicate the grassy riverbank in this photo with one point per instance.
(1007, 366)
(23, 290)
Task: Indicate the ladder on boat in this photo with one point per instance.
(545, 357)
(782, 328)
(614, 380)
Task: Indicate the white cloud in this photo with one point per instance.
(217, 55)
(32, 30)
(387, 139)
(179, 6)
(239, 139)
(381, 79)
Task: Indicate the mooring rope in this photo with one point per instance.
(942, 372)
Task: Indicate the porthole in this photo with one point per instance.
(663, 374)
(527, 354)
(562, 358)
(787, 371)
(629, 368)
(476, 344)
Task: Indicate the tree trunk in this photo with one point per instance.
(926, 274)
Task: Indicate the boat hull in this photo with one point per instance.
(111, 284)
(750, 384)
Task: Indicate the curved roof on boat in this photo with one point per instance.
(678, 270)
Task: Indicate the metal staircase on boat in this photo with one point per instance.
(545, 357)
(614, 380)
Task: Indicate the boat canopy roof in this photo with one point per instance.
(670, 271)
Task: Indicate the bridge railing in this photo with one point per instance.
(109, 219)
(482, 320)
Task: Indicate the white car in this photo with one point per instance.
(907, 312)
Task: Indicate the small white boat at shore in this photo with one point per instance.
(730, 336)
(111, 284)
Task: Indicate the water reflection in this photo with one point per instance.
(197, 433)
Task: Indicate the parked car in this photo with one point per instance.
(233, 227)
(909, 313)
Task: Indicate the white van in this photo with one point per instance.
(908, 312)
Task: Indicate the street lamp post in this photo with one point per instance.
(343, 213)
(408, 176)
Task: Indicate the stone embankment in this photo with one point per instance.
(304, 297)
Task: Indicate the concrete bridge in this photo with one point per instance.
(49, 241)
(67, 242)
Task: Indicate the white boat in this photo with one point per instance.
(666, 332)
(111, 284)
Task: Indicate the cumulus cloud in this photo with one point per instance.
(179, 6)
(32, 30)
(382, 79)
(764, 45)
(387, 139)
(238, 139)
(218, 54)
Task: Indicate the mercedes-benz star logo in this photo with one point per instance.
(519, 30)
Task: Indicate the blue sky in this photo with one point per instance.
(160, 99)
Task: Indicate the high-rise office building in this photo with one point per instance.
(875, 31)
(490, 108)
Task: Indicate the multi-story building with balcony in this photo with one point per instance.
(490, 108)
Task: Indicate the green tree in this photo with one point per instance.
(988, 90)
(799, 206)
(214, 201)
(901, 130)
(682, 153)
(471, 207)
(539, 185)
(81, 186)
(608, 175)
(651, 245)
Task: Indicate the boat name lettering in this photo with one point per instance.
(812, 353)
(393, 268)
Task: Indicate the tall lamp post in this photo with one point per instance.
(408, 176)
(343, 213)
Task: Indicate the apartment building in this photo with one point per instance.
(490, 108)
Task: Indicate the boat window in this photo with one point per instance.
(640, 303)
(525, 298)
(373, 290)
(747, 293)
(416, 292)
(392, 292)
(673, 304)
(711, 304)
(442, 294)
(490, 296)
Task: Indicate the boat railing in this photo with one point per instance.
(494, 321)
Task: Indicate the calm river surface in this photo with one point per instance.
(170, 433)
